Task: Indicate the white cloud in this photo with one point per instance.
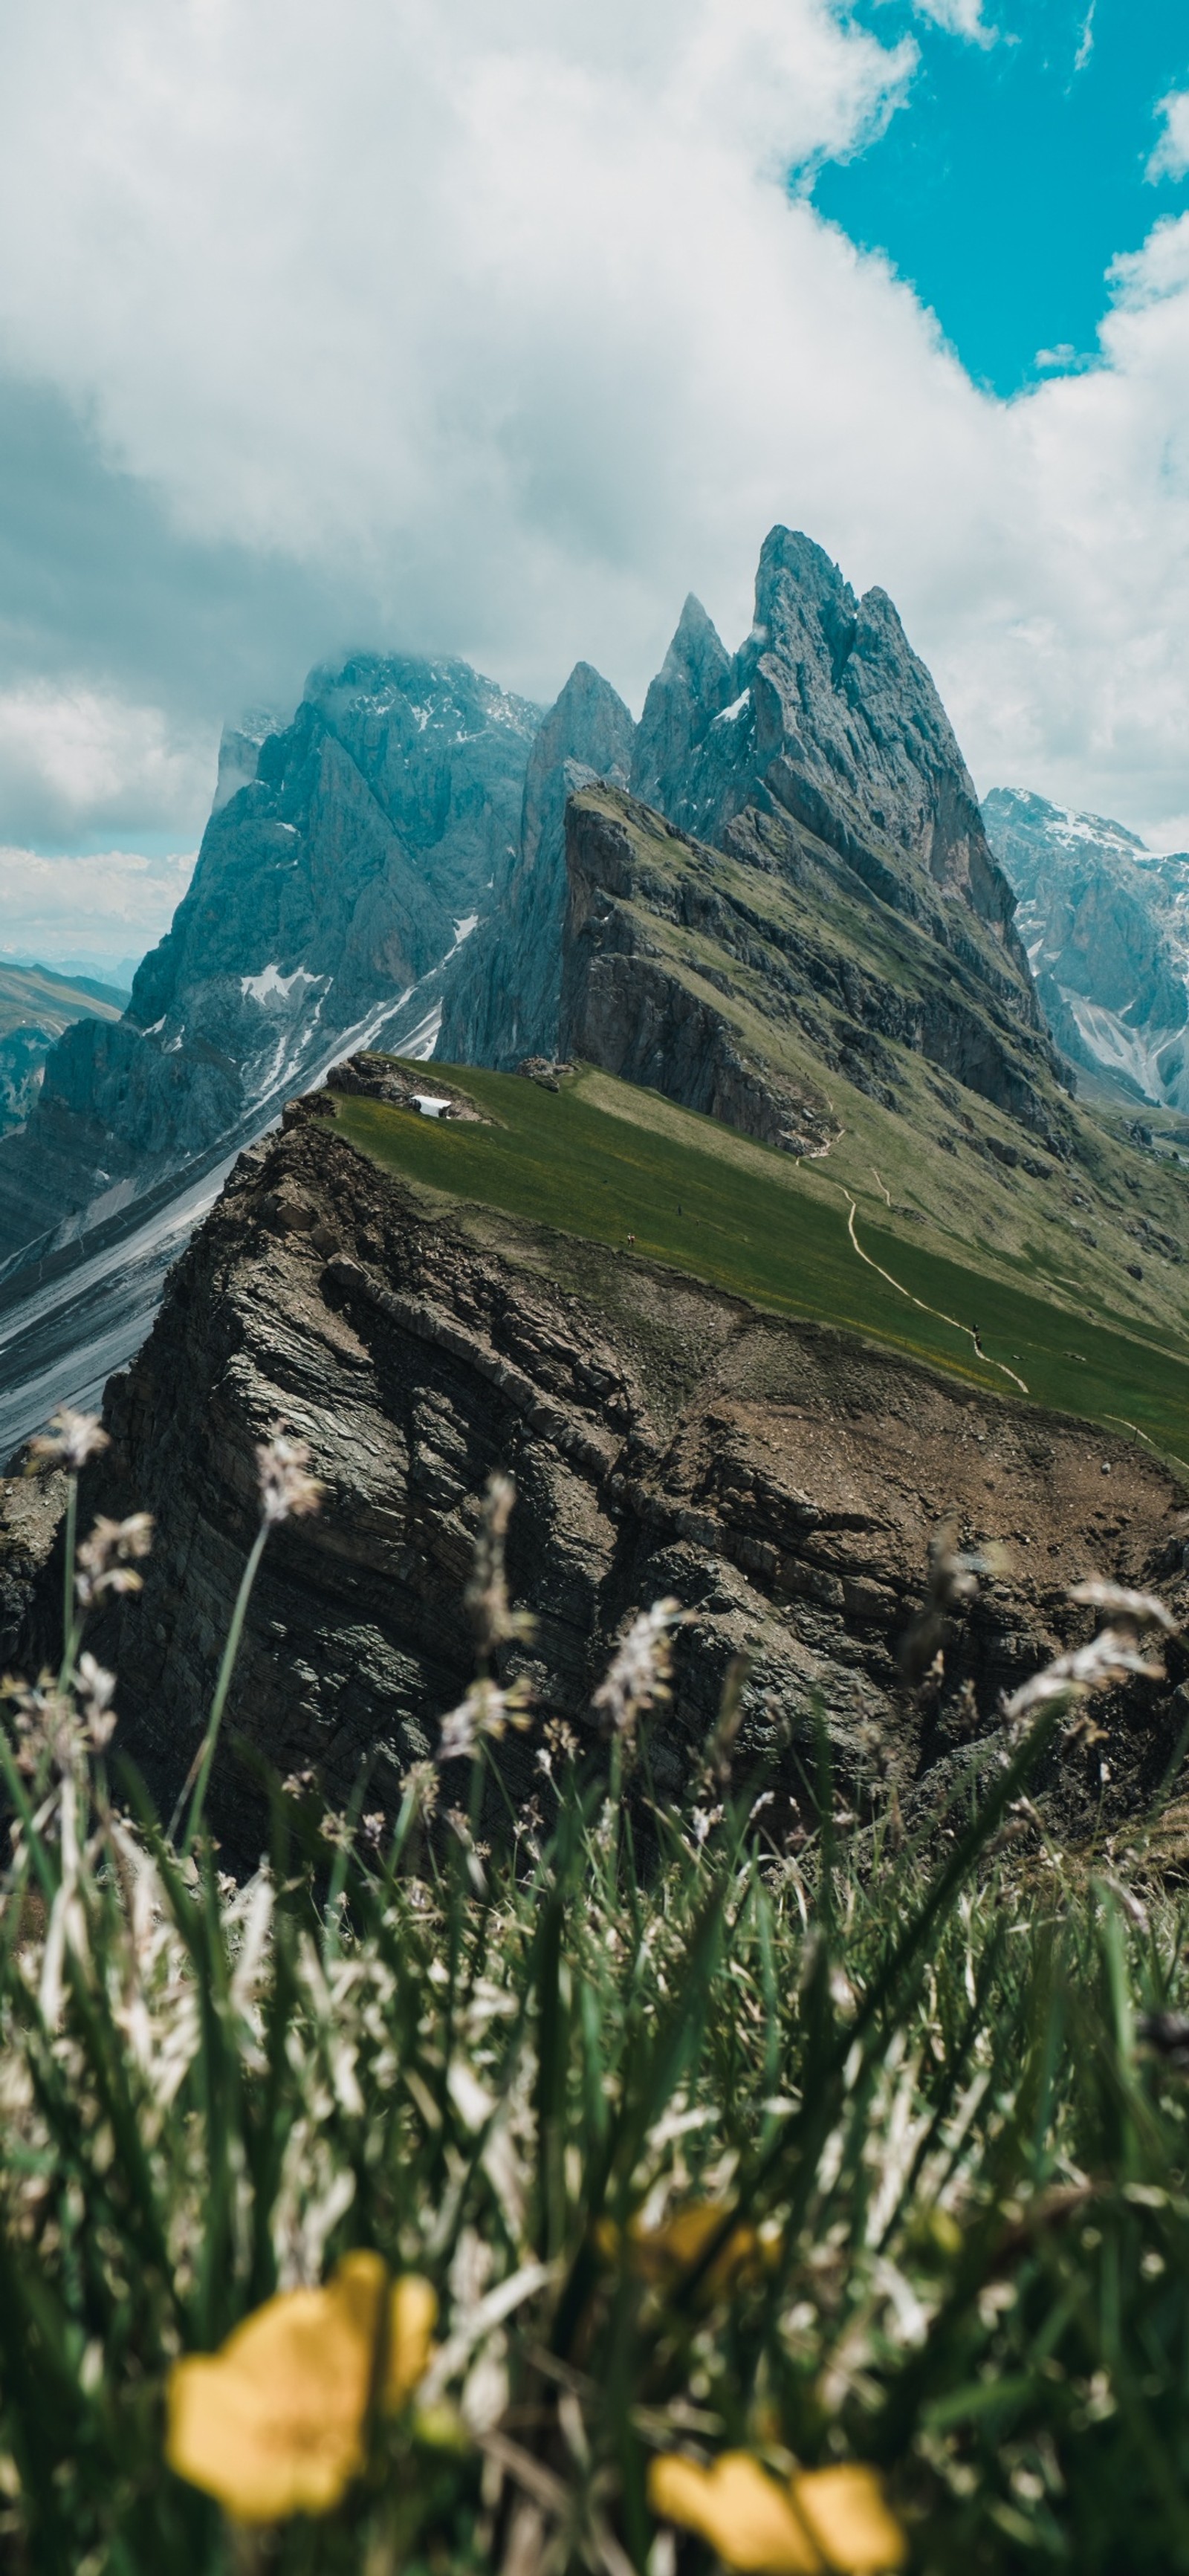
(514, 312)
(959, 17)
(1170, 160)
(106, 909)
(83, 756)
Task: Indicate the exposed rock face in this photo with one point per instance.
(330, 884)
(31, 1509)
(821, 740)
(36, 1005)
(827, 715)
(777, 1477)
(503, 997)
(737, 983)
(1107, 926)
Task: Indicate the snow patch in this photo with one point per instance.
(729, 714)
(1119, 1048)
(273, 985)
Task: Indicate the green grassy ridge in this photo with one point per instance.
(749, 1221)
(33, 996)
(940, 1153)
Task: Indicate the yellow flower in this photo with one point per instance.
(853, 2527)
(739, 2509)
(823, 2519)
(663, 2254)
(273, 2424)
(412, 2316)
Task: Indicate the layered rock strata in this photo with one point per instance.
(348, 854)
(704, 973)
(819, 753)
(781, 1480)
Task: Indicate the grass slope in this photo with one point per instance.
(603, 1160)
(947, 1160)
(31, 996)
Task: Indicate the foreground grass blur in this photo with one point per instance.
(567, 2207)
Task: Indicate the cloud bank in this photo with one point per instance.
(495, 333)
(97, 915)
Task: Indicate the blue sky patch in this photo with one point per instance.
(1016, 171)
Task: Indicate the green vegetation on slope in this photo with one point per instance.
(931, 1160)
(33, 996)
(770, 2154)
(603, 1160)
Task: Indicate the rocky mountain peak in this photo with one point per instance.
(348, 853)
(691, 687)
(828, 716)
(504, 994)
(1106, 921)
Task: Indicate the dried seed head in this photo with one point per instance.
(96, 1690)
(1110, 1657)
(486, 1710)
(420, 1784)
(486, 1596)
(952, 1584)
(639, 1673)
(1141, 1609)
(72, 1438)
(107, 1559)
(46, 1725)
(287, 1490)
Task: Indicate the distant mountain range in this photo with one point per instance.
(1106, 924)
(410, 803)
(774, 899)
(36, 1006)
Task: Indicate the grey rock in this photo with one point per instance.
(823, 734)
(502, 999)
(331, 884)
(779, 1478)
(827, 715)
(655, 918)
(1106, 922)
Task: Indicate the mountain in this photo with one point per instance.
(502, 999)
(818, 760)
(773, 901)
(425, 1301)
(348, 853)
(36, 1006)
(1106, 923)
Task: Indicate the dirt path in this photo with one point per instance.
(958, 1327)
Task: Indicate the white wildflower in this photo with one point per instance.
(487, 1710)
(1141, 1607)
(72, 1438)
(287, 1490)
(638, 1675)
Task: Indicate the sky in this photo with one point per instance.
(496, 330)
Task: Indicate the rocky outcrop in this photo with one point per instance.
(780, 1479)
(1107, 927)
(706, 975)
(826, 715)
(819, 760)
(331, 884)
(503, 997)
(31, 1511)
